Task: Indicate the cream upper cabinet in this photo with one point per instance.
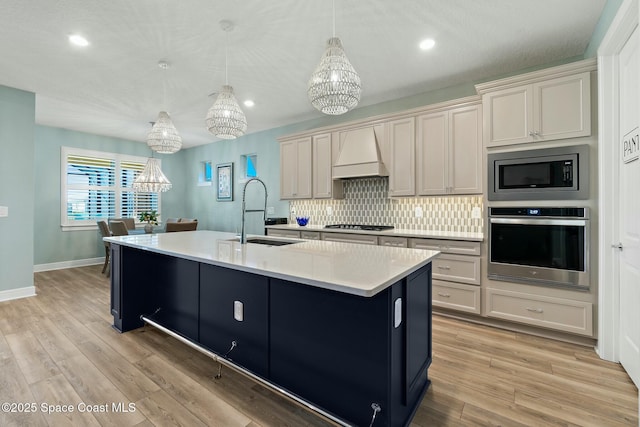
(324, 153)
(401, 137)
(295, 168)
(555, 108)
(449, 151)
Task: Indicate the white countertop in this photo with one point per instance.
(396, 232)
(345, 267)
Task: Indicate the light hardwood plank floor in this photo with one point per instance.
(58, 349)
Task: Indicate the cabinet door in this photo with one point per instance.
(396, 242)
(562, 107)
(402, 178)
(432, 153)
(295, 169)
(547, 312)
(364, 239)
(234, 306)
(276, 232)
(334, 349)
(303, 183)
(322, 163)
(465, 150)
(288, 169)
(508, 116)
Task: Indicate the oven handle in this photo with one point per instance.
(538, 221)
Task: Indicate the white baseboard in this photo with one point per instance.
(67, 264)
(29, 291)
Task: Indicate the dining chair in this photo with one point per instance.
(181, 226)
(104, 232)
(130, 223)
(118, 228)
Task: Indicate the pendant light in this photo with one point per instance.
(334, 87)
(163, 137)
(225, 119)
(151, 180)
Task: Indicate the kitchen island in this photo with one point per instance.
(343, 328)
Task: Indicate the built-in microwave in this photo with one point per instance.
(559, 173)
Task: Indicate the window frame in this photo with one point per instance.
(91, 224)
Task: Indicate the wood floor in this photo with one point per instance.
(58, 348)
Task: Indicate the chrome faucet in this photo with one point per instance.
(243, 236)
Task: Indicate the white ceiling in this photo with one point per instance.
(114, 86)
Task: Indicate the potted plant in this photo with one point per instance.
(151, 219)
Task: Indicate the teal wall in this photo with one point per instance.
(17, 121)
(55, 245)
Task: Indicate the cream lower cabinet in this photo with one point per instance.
(396, 242)
(365, 239)
(278, 232)
(302, 234)
(554, 108)
(449, 151)
(296, 168)
(538, 310)
(456, 273)
(456, 296)
(310, 235)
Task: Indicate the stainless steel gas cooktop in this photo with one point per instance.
(360, 227)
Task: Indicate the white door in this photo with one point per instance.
(629, 209)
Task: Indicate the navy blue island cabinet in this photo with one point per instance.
(351, 356)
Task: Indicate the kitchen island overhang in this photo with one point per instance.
(342, 326)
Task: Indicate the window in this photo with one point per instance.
(205, 176)
(250, 162)
(98, 186)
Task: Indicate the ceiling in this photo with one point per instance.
(114, 86)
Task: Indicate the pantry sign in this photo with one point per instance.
(630, 146)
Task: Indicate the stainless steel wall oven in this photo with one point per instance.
(544, 246)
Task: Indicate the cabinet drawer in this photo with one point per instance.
(457, 268)
(460, 247)
(350, 238)
(310, 235)
(538, 310)
(282, 233)
(398, 242)
(456, 296)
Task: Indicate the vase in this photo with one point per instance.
(148, 228)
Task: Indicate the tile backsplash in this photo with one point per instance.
(366, 201)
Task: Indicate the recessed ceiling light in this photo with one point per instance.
(249, 103)
(78, 40)
(427, 44)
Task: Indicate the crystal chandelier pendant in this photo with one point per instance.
(225, 119)
(151, 180)
(163, 137)
(334, 87)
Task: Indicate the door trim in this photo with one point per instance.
(623, 25)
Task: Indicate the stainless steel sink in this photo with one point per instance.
(267, 241)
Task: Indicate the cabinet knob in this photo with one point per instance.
(444, 295)
(444, 267)
(535, 310)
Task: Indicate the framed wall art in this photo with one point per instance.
(225, 182)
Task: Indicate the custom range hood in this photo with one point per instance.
(359, 154)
